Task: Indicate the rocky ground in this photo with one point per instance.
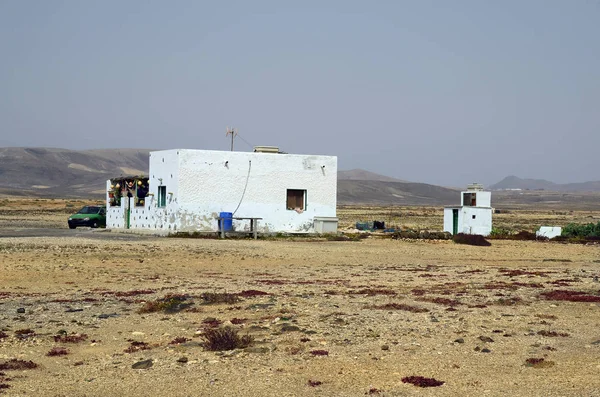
(98, 317)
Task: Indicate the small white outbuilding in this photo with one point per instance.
(473, 216)
(549, 231)
(189, 190)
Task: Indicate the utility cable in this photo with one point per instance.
(244, 192)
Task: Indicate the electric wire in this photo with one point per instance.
(245, 186)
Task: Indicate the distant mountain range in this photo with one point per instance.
(49, 172)
(512, 182)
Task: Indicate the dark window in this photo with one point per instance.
(296, 199)
(162, 196)
(473, 217)
(470, 199)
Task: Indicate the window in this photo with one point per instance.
(296, 199)
(162, 196)
(470, 199)
(473, 217)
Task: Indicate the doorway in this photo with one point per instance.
(454, 221)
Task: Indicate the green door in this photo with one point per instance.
(455, 221)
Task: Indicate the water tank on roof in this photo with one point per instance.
(266, 149)
(475, 187)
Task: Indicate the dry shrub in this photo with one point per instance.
(553, 334)
(3, 335)
(547, 316)
(171, 303)
(24, 333)
(129, 293)
(571, 296)
(252, 292)
(524, 235)
(295, 349)
(401, 306)
(179, 340)
(16, 364)
(471, 239)
(373, 292)
(441, 301)
(319, 352)
(216, 297)
(510, 301)
(136, 346)
(314, 383)
(226, 338)
(211, 322)
(538, 363)
(421, 381)
(57, 351)
(73, 338)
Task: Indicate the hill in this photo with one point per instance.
(513, 182)
(363, 175)
(48, 172)
(394, 193)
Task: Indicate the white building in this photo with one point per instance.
(473, 216)
(187, 190)
(549, 231)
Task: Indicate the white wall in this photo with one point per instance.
(201, 184)
(549, 231)
(481, 224)
(483, 198)
(115, 217)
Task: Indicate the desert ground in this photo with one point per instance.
(90, 314)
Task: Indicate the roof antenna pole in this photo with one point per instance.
(233, 132)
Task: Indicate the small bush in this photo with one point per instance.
(538, 363)
(581, 230)
(16, 364)
(471, 239)
(373, 291)
(524, 235)
(251, 293)
(137, 346)
(57, 351)
(319, 352)
(570, 296)
(73, 338)
(171, 303)
(401, 306)
(179, 340)
(24, 333)
(211, 322)
(223, 297)
(500, 234)
(421, 381)
(226, 338)
(552, 334)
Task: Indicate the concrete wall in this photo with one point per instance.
(200, 184)
(483, 199)
(471, 220)
(549, 231)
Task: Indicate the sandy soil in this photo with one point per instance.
(337, 319)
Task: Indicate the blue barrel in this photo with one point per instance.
(227, 222)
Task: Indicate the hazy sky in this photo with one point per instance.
(444, 92)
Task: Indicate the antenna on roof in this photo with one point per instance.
(233, 132)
